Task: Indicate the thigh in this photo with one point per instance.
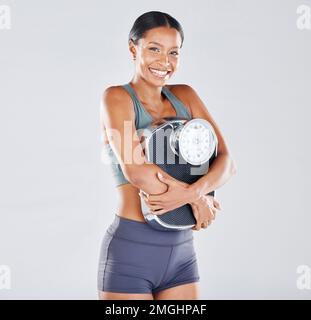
(188, 291)
(182, 274)
(129, 267)
(104, 295)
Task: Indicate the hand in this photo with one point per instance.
(177, 195)
(204, 211)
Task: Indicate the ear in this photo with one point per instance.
(132, 46)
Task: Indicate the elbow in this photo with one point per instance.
(134, 179)
(230, 164)
(132, 174)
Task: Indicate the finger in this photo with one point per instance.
(147, 199)
(155, 199)
(213, 215)
(198, 225)
(161, 211)
(153, 208)
(144, 197)
(196, 215)
(155, 204)
(143, 193)
(195, 211)
(204, 225)
(217, 205)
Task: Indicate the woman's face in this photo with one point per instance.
(158, 51)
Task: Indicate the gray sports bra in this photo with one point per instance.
(142, 120)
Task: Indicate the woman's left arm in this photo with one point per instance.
(223, 166)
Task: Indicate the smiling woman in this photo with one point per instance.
(136, 261)
(161, 58)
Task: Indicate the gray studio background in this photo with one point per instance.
(251, 66)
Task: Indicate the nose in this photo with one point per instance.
(165, 60)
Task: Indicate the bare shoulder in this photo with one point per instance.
(116, 93)
(183, 92)
(177, 86)
(116, 106)
(116, 100)
(180, 89)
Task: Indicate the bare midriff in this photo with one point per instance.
(129, 206)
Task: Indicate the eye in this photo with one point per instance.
(175, 53)
(153, 48)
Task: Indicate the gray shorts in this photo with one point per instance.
(135, 258)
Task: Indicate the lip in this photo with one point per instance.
(169, 70)
(160, 77)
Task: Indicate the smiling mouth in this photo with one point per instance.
(160, 73)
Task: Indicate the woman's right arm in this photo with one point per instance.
(117, 117)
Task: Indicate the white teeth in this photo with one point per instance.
(159, 72)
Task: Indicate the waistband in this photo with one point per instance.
(142, 232)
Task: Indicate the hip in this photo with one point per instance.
(141, 232)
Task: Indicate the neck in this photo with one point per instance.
(146, 91)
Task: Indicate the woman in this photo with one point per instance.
(137, 261)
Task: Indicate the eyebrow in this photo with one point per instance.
(159, 44)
